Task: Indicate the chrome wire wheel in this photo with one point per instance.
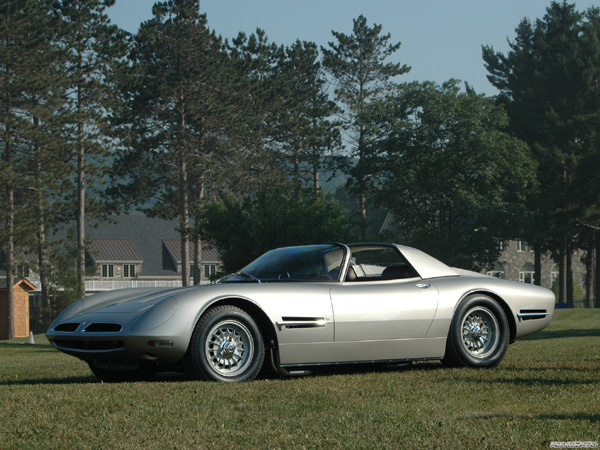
(480, 332)
(229, 348)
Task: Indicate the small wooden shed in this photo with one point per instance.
(21, 288)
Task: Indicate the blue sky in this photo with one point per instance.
(441, 39)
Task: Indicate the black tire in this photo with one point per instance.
(479, 333)
(226, 345)
(120, 374)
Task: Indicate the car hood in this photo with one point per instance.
(122, 301)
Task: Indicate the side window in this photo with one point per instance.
(372, 263)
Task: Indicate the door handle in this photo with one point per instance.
(424, 285)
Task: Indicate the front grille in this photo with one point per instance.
(67, 327)
(88, 345)
(103, 328)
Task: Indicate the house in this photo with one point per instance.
(126, 251)
(516, 263)
(21, 287)
(138, 251)
(211, 260)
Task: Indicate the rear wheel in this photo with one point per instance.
(479, 333)
(227, 345)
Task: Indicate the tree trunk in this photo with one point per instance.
(562, 276)
(197, 261)
(184, 212)
(10, 251)
(569, 276)
(538, 263)
(589, 273)
(184, 221)
(41, 235)
(597, 272)
(10, 230)
(363, 215)
(362, 186)
(80, 186)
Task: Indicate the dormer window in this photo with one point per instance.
(115, 258)
(23, 270)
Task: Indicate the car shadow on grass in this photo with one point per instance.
(593, 418)
(558, 334)
(529, 381)
(25, 345)
(55, 381)
(367, 368)
(178, 377)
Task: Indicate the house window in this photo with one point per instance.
(129, 271)
(497, 271)
(108, 271)
(209, 269)
(23, 270)
(520, 245)
(554, 273)
(527, 273)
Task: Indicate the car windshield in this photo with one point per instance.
(304, 263)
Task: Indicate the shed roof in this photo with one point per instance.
(16, 282)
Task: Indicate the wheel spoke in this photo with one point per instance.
(229, 348)
(479, 332)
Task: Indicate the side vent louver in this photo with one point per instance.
(532, 314)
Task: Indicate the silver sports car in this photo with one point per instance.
(305, 306)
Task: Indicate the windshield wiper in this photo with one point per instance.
(247, 275)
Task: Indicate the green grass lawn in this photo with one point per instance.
(547, 389)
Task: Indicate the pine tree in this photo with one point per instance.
(549, 85)
(94, 48)
(304, 126)
(176, 102)
(357, 64)
(43, 170)
(262, 96)
(26, 75)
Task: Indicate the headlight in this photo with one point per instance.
(69, 311)
(156, 316)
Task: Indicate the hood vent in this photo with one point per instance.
(103, 328)
(66, 327)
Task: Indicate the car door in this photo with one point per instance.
(303, 317)
(378, 310)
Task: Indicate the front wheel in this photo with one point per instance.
(479, 333)
(227, 345)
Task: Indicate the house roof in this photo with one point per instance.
(173, 246)
(146, 235)
(114, 250)
(136, 238)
